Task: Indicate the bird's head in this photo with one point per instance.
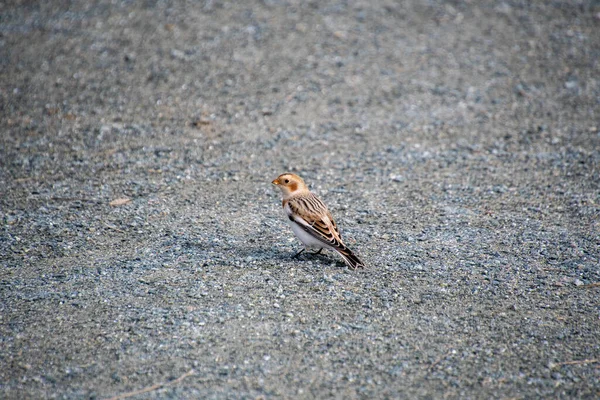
(289, 184)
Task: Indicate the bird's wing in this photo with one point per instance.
(312, 215)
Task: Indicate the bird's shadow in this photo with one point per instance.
(323, 258)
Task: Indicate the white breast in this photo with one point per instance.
(309, 241)
(306, 238)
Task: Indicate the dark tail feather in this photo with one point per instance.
(351, 259)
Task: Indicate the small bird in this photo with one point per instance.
(310, 219)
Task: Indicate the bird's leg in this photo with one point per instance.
(317, 252)
(298, 253)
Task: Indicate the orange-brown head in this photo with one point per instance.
(289, 184)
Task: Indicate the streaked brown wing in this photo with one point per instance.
(312, 214)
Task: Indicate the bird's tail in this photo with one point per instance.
(350, 258)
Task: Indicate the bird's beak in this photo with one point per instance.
(275, 182)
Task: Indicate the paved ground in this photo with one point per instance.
(456, 142)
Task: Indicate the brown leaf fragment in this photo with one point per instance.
(591, 285)
(120, 202)
(200, 122)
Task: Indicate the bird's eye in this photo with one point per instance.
(287, 181)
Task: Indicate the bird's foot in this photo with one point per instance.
(298, 253)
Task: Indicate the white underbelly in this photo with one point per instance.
(305, 237)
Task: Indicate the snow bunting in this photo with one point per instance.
(310, 219)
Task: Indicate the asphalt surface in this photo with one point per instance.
(143, 248)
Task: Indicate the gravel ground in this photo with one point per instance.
(457, 143)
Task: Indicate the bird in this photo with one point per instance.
(310, 219)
